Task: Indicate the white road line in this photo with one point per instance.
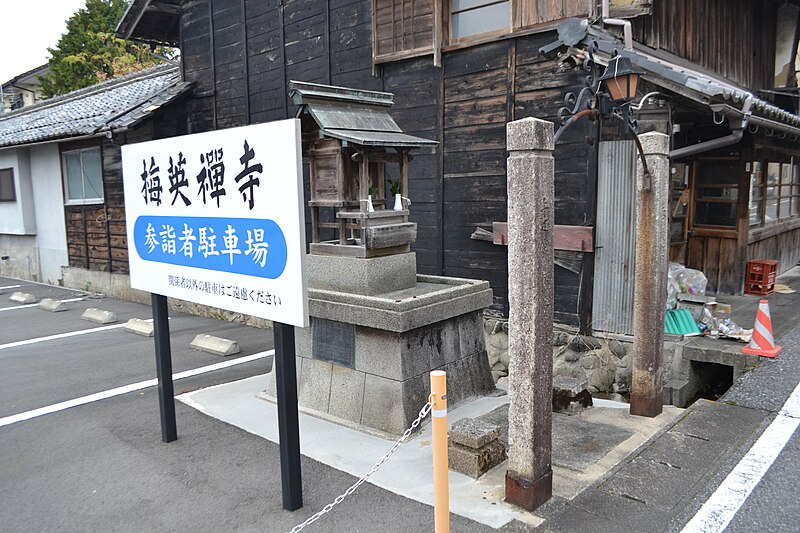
(10, 287)
(59, 336)
(8, 420)
(26, 306)
(722, 506)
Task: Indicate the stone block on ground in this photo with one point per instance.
(677, 392)
(54, 306)
(99, 316)
(473, 432)
(570, 395)
(140, 327)
(23, 298)
(475, 463)
(215, 345)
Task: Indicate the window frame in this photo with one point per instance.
(777, 201)
(451, 40)
(524, 19)
(65, 176)
(720, 199)
(10, 177)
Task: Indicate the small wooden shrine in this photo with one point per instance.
(350, 141)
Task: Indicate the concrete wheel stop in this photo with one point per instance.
(141, 327)
(99, 316)
(54, 306)
(23, 298)
(215, 345)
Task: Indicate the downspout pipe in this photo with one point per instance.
(736, 135)
(627, 31)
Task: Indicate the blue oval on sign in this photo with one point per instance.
(248, 246)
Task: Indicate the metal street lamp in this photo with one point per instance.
(621, 79)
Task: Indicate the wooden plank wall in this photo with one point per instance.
(96, 234)
(785, 247)
(464, 105)
(734, 38)
(713, 256)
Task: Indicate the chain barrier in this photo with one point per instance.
(422, 414)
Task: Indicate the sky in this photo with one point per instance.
(27, 29)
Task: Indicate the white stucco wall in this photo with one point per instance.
(19, 256)
(45, 163)
(17, 218)
(33, 236)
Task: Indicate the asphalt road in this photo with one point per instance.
(103, 467)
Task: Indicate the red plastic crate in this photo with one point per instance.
(760, 279)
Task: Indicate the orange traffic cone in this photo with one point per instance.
(762, 343)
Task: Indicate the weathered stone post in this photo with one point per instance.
(650, 292)
(529, 479)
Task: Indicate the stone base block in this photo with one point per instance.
(99, 316)
(365, 276)
(215, 345)
(23, 298)
(141, 327)
(529, 494)
(388, 381)
(475, 462)
(366, 360)
(473, 433)
(54, 306)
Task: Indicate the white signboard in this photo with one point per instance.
(217, 218)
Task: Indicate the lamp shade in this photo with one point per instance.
(621, 79)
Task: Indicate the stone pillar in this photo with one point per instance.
(652, 262)
(529, 479)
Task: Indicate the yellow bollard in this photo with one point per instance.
(441, 487)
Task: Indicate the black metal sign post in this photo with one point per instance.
(288, 423)
(166, 393)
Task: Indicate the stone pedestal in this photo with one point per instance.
(366, 357)
(474, 447)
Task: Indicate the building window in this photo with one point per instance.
(7, 191)
(716, 193)
(410, 28)
(475, 17)
(774, 191)
(84, 176)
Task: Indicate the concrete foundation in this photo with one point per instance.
(365, 359)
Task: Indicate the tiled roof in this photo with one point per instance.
(575, 35)
(108, 106)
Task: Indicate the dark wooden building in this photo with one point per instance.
(459, 71)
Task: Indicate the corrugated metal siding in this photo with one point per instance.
(615, 238)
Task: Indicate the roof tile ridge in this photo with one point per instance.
(104, 86)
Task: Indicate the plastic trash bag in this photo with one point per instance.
(692, 281)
